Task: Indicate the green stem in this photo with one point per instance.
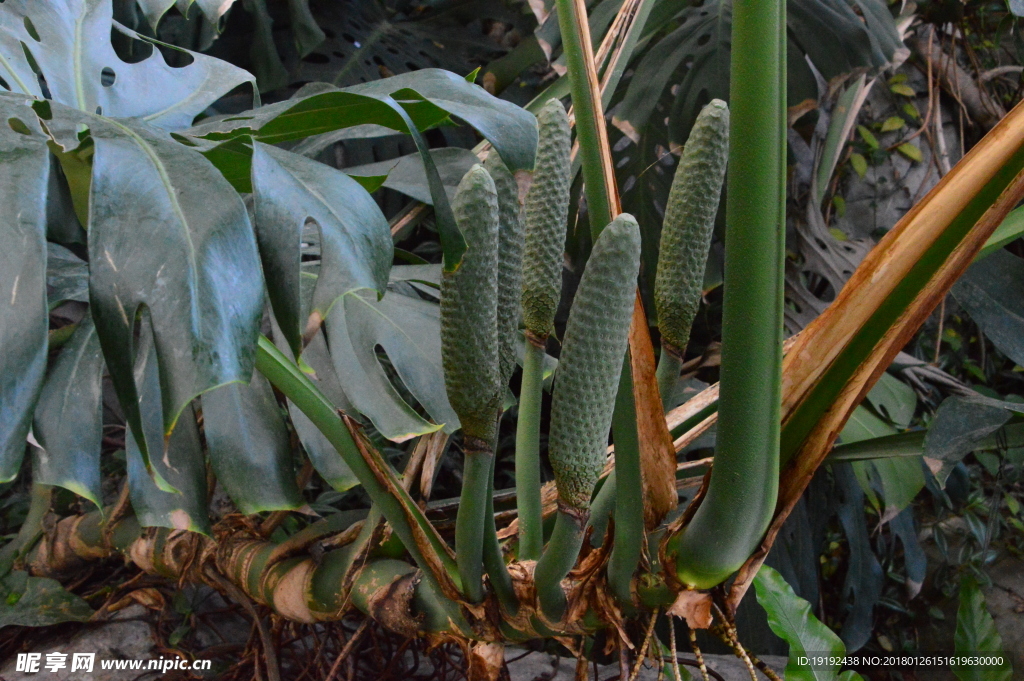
(528, 503)
(629, 494)
(579, 59)
(741, 496)
(470, 521)
(397, 508)
(559, 557)
(669, 365)
(601, 508)
(494, 559)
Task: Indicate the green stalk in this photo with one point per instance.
(531, 531)
(560, 556)
(397, 508)
(669, 366)
(494, 559)
(471, 520)
(601, 509)
(741, 497)
(629, 494)
(579, 56)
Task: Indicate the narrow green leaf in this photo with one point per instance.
(69, 417)
(1011, 229)
(249, 448)
(24, 175)
(790, 617)
(976, 635)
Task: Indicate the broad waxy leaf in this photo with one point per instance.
(167, 235)
(992, 290)
(155, 9)
(862, 586)
(408, 175)
(38, 602)
(696, 55)
(355, 242)
(70, 42)
(790, 617)
(429, 96)
(24, 174)
(249, 449)
(67, 276)
(409, 331)
(960, 423)
(976, 634)
(893, 399)
(69, 417)
(897, 480)
(180, 503)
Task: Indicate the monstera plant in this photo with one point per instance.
(193, 235)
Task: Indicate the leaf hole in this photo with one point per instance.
(18, 126)
(349, 38)
(316, 58)
(704, 39)
(329, 33)
(4, 85)
(819, 286)
(107, 76)
(31, 28)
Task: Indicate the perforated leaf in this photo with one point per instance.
(354, 239)
(694, 55)
(69, 40)
(24, 174)
(168, 236)
(409, 332)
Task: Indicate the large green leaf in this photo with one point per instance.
(889, 483)
(180, 503)
(409, 176)
(24, 175)
(69, 41)
(893, 399)
(67, 276)
(409, 331)
(976, 635)
(355, 247)
(694, 55)
(155, 9)
(992, 291)
(429, 96)
(960, 425)
(38, 602)
(69, 417)
(790, 617)
(249, 449)
(168, 236)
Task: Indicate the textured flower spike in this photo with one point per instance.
(547, 209)
(588, 371)
(469, 303)
(688, 226)
(511, 234)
